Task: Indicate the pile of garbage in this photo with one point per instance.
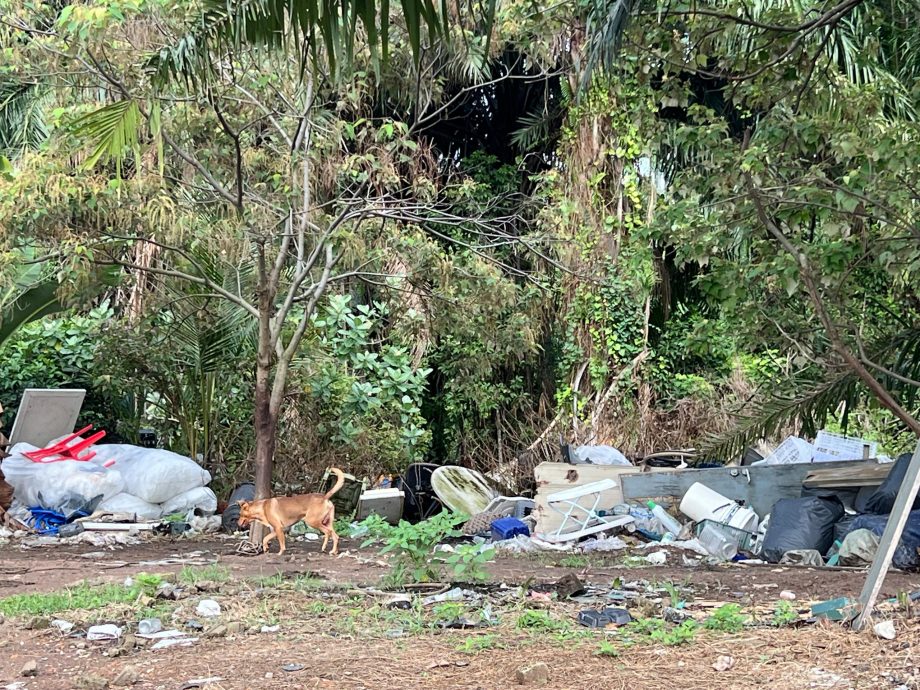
(139, 484)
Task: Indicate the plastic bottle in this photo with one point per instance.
(668, 522)
(716, 543)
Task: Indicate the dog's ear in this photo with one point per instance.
(243, 504)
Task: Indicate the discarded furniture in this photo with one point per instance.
(45, 414)
(578, 520)
(420, 502)
(462, 490)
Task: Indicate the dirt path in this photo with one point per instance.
(329, 638)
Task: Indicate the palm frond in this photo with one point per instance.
(22, 124)
(811, 402)
(606, 22)
(111, 130)
(304, 25)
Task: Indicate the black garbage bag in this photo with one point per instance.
(230, 519)
(801, 523)
(882, 501)
(905, 554)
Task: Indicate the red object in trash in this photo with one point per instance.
(61, 451)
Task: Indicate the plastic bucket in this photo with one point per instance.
(702, 503)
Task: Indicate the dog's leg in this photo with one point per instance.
(330, 529)
(268, 537)
(279, 530)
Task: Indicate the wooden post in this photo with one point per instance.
(890, 539)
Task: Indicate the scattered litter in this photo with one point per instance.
(808, 557)
(104, 632)
(455, 594)
(447, 664)
(270, 628)
(723, 663)
(200, 682)
(786, 595)
(858, 548)
(568, 586)
(148, 626)
(825, 679)
(175, 642)
(163, 635)
(62, 625)
(657, 558)
(885, 630)
(609, 616)
(840, 609)
(602, 545)
(292, 668)
(208, 608)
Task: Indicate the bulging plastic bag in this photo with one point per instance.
(62, 486)
(601, 455)
(200, 498)
(801, 524)
(132, 505)
(152, 474)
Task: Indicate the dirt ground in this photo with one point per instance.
(339, 640)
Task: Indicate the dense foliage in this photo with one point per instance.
(638, 224)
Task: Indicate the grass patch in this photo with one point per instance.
(574, 562)
(211, 573)
(533, 619)
(81, 597)
(479, 643)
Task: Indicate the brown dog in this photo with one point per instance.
(280, 513)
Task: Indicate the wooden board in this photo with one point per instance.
(558, 476)
(863, 474)
(758, 486)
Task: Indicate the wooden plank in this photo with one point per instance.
(890, 539)
(558, 476)
(863, 474)
(758, 486)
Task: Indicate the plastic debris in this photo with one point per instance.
(175, 642)
(602, 545)
(148, 626)
(885, 630)
(786, 595)
(62, 625)
(609, 616)
(208, 608)
(657, 558)
(104, 632)
(808, 557)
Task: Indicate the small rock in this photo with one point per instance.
(885, 630)
(207, 586)
(291, 668)
(676, 616)
(216, 631)
(91, 681)
(37, 623)
(30, 669)
(269, 675)
(208, 608)
(167, 590)
(235, 628)
(569, 585)
(723, 663)
(787, 595)
(532, 674)
(192, 624)
(128, 676)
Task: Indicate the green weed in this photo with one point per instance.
(784, 613)
(607, 648)
(726, 618)
(479, 643)
(533, 619)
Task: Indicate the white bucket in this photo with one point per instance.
(702, 503)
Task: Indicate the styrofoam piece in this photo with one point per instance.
(45, 414)
(792, 451)
(831, 447)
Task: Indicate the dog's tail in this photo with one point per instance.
(340, 482)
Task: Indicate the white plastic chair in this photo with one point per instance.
(577, 520)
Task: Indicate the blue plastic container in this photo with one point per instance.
(508, 528)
